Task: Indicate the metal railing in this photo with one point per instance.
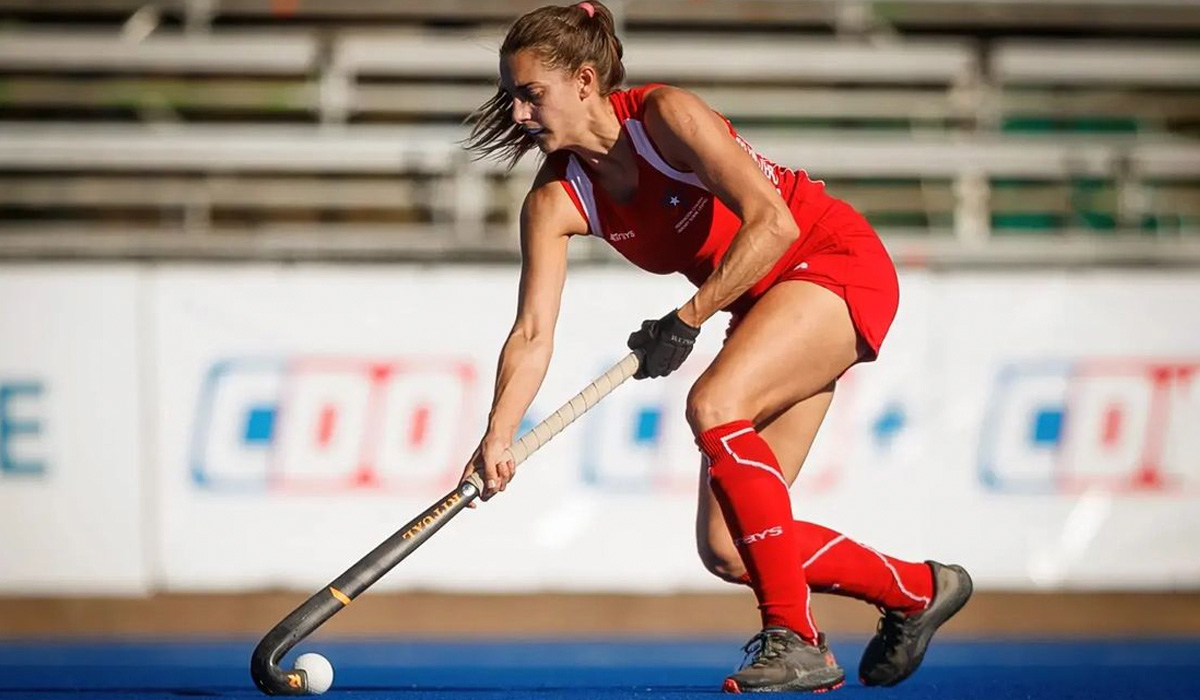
(952, 96)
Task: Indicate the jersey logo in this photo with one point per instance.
(768, 168)
(691, 215)
(672, 200)
(621, 235)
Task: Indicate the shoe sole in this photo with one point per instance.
(731, 686)
(954, 605)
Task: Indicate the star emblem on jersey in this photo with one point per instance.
(673, 200)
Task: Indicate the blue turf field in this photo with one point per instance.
(575, 670)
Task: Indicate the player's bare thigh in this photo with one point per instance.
(793, 343)
(778, 369)
(790, 435)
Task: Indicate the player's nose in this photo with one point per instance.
(521, 111)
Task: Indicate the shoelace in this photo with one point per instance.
(892, 628)
(763, 647)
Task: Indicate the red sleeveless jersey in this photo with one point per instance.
(673, 222)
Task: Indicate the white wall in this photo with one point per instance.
(71, 502)
(1037, 427)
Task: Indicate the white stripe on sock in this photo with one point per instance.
(822, 550)
(749, 462)
(896, 576)
(812, 625)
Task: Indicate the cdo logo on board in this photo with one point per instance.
(1118, 425)
(312, 424)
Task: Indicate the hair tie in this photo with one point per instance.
(587, 7)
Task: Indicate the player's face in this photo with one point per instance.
(546, 101)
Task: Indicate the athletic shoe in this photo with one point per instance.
(782, 661)
(900, 641)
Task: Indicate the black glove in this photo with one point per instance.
(664, 343)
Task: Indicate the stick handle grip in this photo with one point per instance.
(567, 414)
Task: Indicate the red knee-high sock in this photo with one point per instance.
(834, 563)
(749, 486)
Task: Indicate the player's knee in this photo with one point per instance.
(709, 406)
(722, 560)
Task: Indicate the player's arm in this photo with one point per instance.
(692, 137)
(548, 220)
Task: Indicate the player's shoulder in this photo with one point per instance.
(657, 93)
(669, 103)
(633, 102)
(551, 174)
(549, 198)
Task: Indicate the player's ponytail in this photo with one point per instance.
(565, 37)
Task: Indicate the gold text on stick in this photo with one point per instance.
(345, 599)
(432, 517)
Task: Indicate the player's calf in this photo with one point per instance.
(722, 560)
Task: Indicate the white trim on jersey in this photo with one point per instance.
(645, 149)
(579, 180)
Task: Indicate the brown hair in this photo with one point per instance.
(564, 37)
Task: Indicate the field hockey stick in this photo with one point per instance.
(304, 620)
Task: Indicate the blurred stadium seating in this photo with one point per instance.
(969, 131)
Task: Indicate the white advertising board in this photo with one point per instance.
(71, 508)
(1038, 428)
(1074, 400)
(307, 414)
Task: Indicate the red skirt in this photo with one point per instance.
(842, 253)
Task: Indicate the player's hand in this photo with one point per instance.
(496, 468)
(665, 344)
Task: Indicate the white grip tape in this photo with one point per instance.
(541, 433)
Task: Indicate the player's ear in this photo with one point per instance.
(586, 80)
